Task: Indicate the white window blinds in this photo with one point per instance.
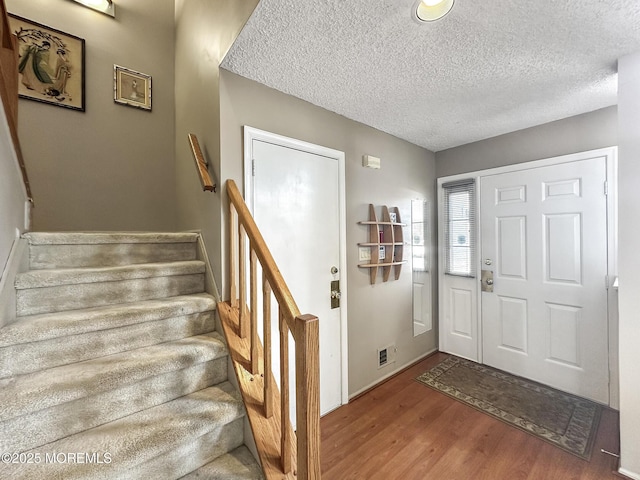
(460, 227)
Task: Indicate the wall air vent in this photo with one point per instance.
(386, 355)
(382, 357)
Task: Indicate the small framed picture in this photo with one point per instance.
(392, 216)
(382, 253)
(131, 88)
(50, 64)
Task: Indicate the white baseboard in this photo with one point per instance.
(17, 262)
(390, 374)
(627, 473)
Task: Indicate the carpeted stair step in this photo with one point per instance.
(48, 404)
(236, 465)
(197, 428)
(44, 291)
(100, 249)
(48, 340)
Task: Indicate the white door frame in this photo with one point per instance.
(251, 134)
(611, 156)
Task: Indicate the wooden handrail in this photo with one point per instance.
(201, 165)
(283, 453)
(9, 89)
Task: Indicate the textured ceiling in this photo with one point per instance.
(485, 69)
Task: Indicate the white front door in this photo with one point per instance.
(296, 199)
(544, 238)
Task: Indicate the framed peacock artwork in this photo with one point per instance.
(50, 64)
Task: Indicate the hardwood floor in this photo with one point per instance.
(405, 430)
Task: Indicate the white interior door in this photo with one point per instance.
(296, 199)
(544, 238)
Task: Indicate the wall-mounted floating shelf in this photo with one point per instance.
(386, 243)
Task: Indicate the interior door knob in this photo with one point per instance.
(334, 270)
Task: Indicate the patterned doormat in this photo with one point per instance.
(561, 419)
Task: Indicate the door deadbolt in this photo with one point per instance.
(335, 294)
(486, 281)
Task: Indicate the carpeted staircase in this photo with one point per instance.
(113, 368)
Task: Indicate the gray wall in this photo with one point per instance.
(111, 167)
(570, 135)
(629, 261)
(380, 314)
(205, 30)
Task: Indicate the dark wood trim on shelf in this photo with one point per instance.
(382, 223)
(380, 244)
(369, 265)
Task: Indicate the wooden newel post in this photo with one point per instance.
(308, 396)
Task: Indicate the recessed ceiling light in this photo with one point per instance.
(430, 10)
(103, 6)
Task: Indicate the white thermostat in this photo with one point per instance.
(370, 162)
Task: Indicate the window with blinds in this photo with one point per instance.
(460, 222)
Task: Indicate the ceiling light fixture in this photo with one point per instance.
(103, 6)
(431, 10)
